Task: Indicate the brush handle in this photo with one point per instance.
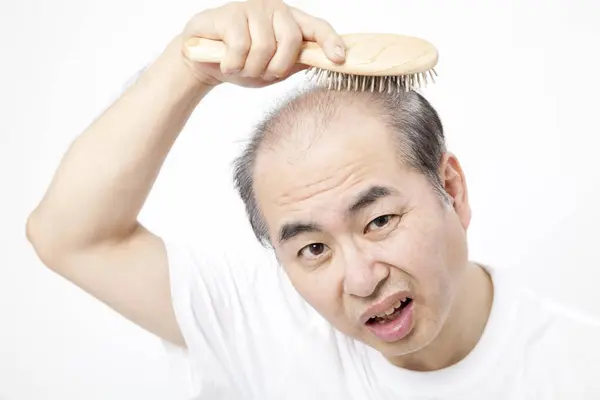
(212, 51)
(204, 50)
(367, 54)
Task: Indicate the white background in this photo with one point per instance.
(518, 94)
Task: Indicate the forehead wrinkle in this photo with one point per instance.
(323, 176)
(299, 129)
(325, 184)
(292, 200)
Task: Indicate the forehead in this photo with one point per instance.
(316, 170)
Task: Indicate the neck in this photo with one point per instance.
(463, 329)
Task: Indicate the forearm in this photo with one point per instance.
(106, 175)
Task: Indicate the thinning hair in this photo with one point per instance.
(416, 126)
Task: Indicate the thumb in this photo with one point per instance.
(320, 31)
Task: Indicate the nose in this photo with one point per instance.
(363, 273)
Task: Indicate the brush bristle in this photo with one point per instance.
(340, 81)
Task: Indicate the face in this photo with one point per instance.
(366, 241)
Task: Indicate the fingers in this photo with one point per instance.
(237, 37)
(289, 41)
(232, 30)
(263, 43)
(202, 25)
(320, 31)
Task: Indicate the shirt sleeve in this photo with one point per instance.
(212, 296)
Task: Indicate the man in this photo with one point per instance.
(366, 211)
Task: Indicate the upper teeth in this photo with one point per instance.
(391, 310)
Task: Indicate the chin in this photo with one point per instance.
(422, 334)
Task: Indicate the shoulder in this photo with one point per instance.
(538, 306)
(559, 344)
(550, 316)
(239, 314)
(566, 353)
(569, 332)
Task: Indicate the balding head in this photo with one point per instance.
(349, 189)
(413, 125)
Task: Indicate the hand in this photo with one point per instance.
(263, 39)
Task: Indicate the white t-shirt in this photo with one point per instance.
(251, 336)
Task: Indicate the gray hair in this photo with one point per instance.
(420, 136)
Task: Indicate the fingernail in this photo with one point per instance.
(339, 51)
(269, 77)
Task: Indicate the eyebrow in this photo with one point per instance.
(369, 197)
(362, 201)
(291, 230)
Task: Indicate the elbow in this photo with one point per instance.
(32, 229)
(42, 239)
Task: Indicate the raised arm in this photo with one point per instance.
(86, 228)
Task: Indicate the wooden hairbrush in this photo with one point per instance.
(374, 62)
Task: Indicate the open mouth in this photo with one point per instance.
(395, 323)
(390, 314)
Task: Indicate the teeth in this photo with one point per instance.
(391, 310)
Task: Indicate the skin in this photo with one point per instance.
(409, 240)
(80, 231)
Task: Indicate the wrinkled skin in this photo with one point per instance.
(409, 240)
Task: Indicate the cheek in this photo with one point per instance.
(442, 272)
(421, 250)
(319, 288)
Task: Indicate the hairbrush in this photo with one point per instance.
(374, 62)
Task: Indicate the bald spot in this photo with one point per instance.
(294, 127)
(306, 117)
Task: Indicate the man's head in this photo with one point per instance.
(363, 207)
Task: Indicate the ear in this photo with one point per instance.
(453, 181)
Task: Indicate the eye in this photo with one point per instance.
(313, 250)
(381, 222)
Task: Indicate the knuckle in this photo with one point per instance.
(250, 72)
(236, 14)
(321, 22)
(197, 20)
(327, 24)
(277, 71)
(277, 67)
(281, 66)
